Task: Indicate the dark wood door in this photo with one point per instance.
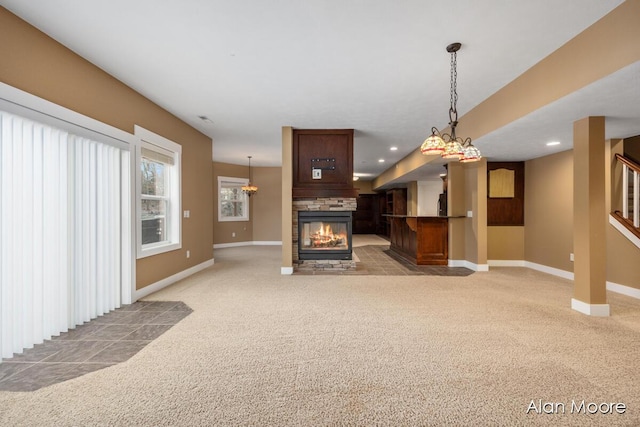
(365, 216)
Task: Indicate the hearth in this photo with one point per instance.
(324, 235)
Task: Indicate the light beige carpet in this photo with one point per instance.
(263, 349)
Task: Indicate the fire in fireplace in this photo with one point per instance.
(324, 235)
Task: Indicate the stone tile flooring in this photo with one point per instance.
(378, 260)
(100, 343)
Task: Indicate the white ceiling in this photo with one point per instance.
(379, 67)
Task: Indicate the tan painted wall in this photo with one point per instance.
(622, 255)
(623, 259)
(287, 197)
(223, 231)
(467, 191)
(548, 238)
(35, 63)
(505, 243)
(267, 205)
(364, 187)
(589, 210)
(476, 202)
(412, 198)
(456, 206)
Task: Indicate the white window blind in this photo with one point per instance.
(65, 253)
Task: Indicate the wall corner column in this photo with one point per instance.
(287, 200)
(456, 207)
(589, 217)
(480, 214)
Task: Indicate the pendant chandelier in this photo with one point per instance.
(450, 146)
(249, 189)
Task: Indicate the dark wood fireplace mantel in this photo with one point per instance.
(330, 153)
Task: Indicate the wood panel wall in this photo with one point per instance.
(330, 151)
(504, 211)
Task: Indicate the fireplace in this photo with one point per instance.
(324, 235)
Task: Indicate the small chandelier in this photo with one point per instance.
(449, 146)
(249, 189)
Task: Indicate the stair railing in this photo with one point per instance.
(630, 190)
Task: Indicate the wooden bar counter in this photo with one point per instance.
(423, 240)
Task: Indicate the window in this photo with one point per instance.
(159, 197)
(233, 204)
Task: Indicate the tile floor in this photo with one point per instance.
(378, 260)
(100, 343)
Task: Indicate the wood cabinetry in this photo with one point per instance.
(421, 240)
(395, 203)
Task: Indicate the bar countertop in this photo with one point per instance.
(416, 216)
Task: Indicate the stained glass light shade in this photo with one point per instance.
(471, 154)
(433, 145)
(453, 150)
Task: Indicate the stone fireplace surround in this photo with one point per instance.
(335, 204)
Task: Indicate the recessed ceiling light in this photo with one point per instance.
(552, 143)
(380, 160)
(393, 148)
(355, 178)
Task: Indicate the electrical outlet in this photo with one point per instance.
(233, 234)
(188, 254)
(187, 214)
(469, 214)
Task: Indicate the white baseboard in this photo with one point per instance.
(598, 310)
(611, 286)
(506, 263)
(286, 271)
(549, 270)
(624, 290)
(155, 287)
(250, 243)
(468, 264)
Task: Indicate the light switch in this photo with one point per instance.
(187, 214)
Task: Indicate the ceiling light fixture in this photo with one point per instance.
(380, 160)
(449, 146)
(249, 189)
(394, 148)
(552, 143)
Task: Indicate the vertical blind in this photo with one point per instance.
(65, 251)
